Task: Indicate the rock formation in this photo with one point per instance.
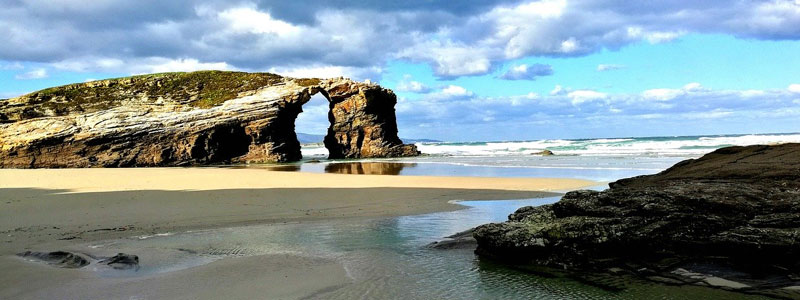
(175, 119)
(737, 208)
(61, 259)
(71, 260)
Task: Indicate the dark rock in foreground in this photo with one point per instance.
(461, 240)
(734, 211)
(61, 259)
(64, 259)
(122, 261)
(207, 117)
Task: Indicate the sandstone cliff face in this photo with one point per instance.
(176, 119)
(738, 208)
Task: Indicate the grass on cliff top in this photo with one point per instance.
(199, 89)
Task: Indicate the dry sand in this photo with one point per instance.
(56, 207)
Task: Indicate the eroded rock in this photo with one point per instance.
(461, 240)
(737, 208)
(543, 153)
(176, 119)
(61, 259)
(122, 261)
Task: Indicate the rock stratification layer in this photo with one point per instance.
(175, 119)
(738, 207)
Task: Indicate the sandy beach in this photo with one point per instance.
(51, 209)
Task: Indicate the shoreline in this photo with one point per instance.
(92, 204)
(57, 209)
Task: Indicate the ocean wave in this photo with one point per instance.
(650, 146)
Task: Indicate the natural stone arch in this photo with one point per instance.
(203, 117)
(362, 121)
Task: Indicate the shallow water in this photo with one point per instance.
(580, 167)
(387, 258)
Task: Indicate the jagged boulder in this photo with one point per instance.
(175, 119)
(737, 208)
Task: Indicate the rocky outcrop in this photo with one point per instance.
(61, 259)
(176, 119)
(71, 260)
(734, 212)
(122, 261)
(544, 153)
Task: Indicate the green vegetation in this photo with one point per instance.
(308, 81)
(199, 89)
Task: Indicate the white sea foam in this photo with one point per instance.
(654, 146)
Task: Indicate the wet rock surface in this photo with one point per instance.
(461, 240)
(70, 260)
(177, 119)
(122, 261)
(61, 259)
(730, 219)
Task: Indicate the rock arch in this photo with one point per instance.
(204, 117)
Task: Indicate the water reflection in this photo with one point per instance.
(282, 168)
(387, 258)
(370, 168)
(426, 168)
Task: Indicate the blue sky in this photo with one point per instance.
(479, 70)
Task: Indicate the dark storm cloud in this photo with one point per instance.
(455, 38)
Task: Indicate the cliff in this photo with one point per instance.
(175, 119)
(732, 214)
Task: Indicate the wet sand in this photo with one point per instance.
(46, 210)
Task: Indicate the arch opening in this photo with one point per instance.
(312, 125)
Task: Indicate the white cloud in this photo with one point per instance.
(12, 66)
(449, 59)
(359, 74)
(794, 88)
(654, 37)
(454, 90)
(527, 72)
(693, 87)
(581, 96)
(669, 94)
(139, 66)
(589, 110)
(752, 93)
(608, 67)
(39, 73)
(408, 85)
(250, 20)
(570, 45)
(183, 65)
(558, 90)
(662, 94)
(467, 39)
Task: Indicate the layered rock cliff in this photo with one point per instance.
(175, 119)
(733, 212)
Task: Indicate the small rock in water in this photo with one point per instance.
(461, 240)
(61, 259)
(122, 261)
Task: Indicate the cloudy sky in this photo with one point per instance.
(462, 70)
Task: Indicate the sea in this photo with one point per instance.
(602, 159)
(387, 258)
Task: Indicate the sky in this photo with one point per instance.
(462, 70)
